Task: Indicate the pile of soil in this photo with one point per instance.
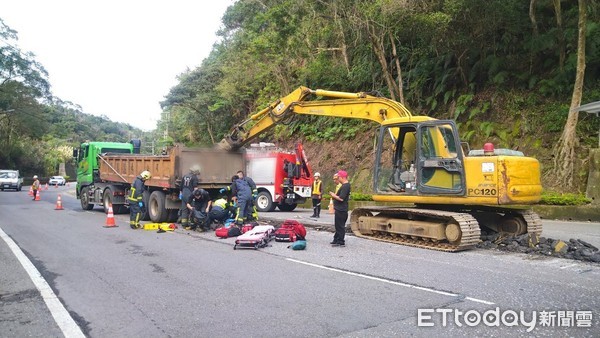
(573, 249)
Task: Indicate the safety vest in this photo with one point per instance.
(221, 203)
(316, 188)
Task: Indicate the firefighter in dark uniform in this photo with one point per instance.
(252, 206)
(189, 183)
(199, 205)
(242, 195)
(135, 198)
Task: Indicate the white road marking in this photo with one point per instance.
(61, 316)
(391, 282)
(568, 266)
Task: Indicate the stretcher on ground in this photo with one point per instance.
(258, 237)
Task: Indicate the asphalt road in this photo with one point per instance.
(134, 283)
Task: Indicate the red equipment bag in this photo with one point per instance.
(226, 232)
(248, 226)
(222, 232)
(290, 231)
(285, 235)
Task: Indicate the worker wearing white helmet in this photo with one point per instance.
(317, 195)
(35, 186)
(135, 198)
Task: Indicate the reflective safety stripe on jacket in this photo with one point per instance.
(137, 190)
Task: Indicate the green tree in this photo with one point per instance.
(564, 158)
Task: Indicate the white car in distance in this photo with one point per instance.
(57, 180)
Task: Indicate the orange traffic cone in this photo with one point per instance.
(46, 186)
(110, 218)
(30, 191)
(59, 203)
(55, 185)
(331, 206)
(37, 196)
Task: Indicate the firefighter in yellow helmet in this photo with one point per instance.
(135, 198)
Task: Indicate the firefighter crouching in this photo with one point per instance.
(199, 205)
(221, 211)
(135, 198)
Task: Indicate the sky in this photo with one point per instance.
(116, 58)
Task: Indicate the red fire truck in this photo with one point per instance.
(283, 178)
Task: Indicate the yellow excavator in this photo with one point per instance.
(457, 193)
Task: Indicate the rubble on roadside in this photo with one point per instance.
(573, 249)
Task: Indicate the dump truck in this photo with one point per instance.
(419, 160)
(105, 171)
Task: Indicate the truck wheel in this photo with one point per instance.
(156, 207)
(19, 188)
(264, 202)
(84, 198)
(287, 207)
(107, 199)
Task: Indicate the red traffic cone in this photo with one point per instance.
(110, 218)
(30, 191)
(59, 203)
(37, 196)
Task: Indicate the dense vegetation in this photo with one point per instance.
(37, 130)
(505, 70)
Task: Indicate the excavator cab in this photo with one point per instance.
(420, 158)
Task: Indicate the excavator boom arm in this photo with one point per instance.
(341, 104)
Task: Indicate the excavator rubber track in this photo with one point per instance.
(470, 232)
(534, 226)
(469, 227)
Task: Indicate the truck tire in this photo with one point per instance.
(84, 198)
(287, 207)
(108, 200)
(156, 207)
(264, 202)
